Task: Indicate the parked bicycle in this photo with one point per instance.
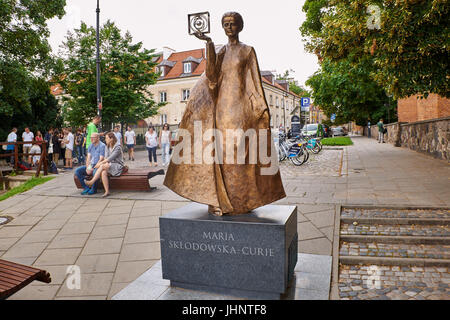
(292, 149)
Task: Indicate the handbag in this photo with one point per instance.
(384, 130)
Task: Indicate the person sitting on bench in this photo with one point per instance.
(96, 153)
(112, 164)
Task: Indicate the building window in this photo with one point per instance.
(277, 102)
(186, 94)
(187, 67)
(163, 96)
(271, 100)
(161, 71)
(162, 119)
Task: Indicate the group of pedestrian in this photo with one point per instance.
(152, 140)
(96, 159)
(62, 144)
(31, 150)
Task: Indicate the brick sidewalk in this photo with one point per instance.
(115, 240)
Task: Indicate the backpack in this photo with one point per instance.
(24, 166)
(53, 168)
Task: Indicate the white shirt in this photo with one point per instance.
(129, 137)
(151, 139)
(27, 137)
(36, 150)
(12, 137)
(165, 136)
(119, 136)
(70, 138)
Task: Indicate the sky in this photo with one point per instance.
(271, 27)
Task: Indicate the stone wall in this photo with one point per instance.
(429, 136)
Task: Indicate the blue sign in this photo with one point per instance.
(305, 102)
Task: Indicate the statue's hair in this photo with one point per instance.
(237, 17)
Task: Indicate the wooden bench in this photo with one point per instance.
(14, 276)
(133, 180)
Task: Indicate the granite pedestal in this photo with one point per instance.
(251, 255)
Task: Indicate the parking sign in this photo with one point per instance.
(305, 102)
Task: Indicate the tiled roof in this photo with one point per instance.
(199, 55)
(178, 57)
(167, 63)
(276, 85)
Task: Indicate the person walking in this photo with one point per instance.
(151, 140)
(165, 140)
(12, 137)
(96, 153)
(111, 165)
(27, 136)
(69, 141)
(380, 126)
(118, 134)
(130, 141)
(56, 146)
(92, 128)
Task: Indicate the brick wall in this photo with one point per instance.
(412, 109)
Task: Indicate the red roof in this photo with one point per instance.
(178, 57)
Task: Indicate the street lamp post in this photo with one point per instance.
(99, 97)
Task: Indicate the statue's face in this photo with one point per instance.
(230, 26)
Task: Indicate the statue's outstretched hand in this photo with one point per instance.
(202, 36)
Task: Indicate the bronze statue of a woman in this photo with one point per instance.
(228, 97)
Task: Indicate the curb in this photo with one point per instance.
(334, 290)
(396, 239)
(352, 260)
(413, 221)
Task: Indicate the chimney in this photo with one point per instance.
(167, 52)
(284, 84)
(269, 76)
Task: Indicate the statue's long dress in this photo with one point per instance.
(228, 96)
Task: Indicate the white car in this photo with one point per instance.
(310, 129)
(339, 131)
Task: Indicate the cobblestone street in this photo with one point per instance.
(412, 259)
(328, 162)
(374, 282)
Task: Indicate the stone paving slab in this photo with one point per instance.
(311, 282)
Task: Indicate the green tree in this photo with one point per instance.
(127, 71)
(42, 110)
(24, 60)
(346, 89)
(409, 43)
